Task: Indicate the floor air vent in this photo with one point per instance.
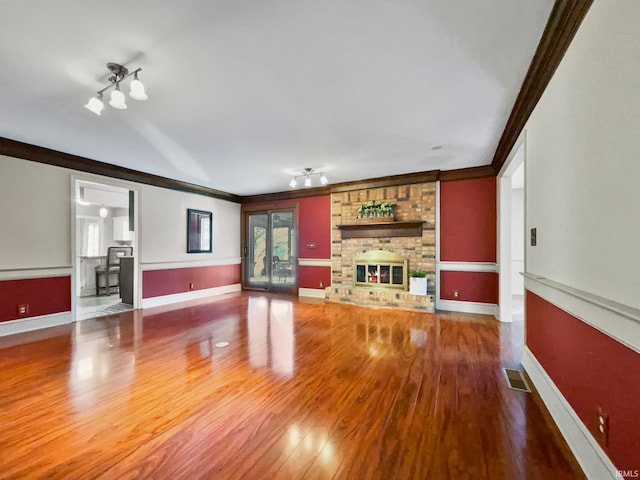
(516, 381)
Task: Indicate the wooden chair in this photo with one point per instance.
(112, 268)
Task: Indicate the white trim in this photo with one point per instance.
(186, 296)
(314, 262)
(592, 459)
(146, 266)
(620, 322)
(80, 176)
(467, 266)
(21, 325)
(311, 292)
(467, 307)
(504, 225)
(25, 273)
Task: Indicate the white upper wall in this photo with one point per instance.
(35, 214)
(164, 226)
(35, 206)
(583, 171)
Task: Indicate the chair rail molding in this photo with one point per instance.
(618, 321)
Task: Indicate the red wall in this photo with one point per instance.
(314, 224)
(43, 295)
(468, 234)
(471, 286)
(311, 277)
(156, 283)
(591, 369)
(468, 220)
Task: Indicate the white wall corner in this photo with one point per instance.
(592, 459)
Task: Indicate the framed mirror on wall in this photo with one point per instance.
(199, 228)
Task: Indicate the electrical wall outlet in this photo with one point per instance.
(191, 286)
(23, 309)
(602, 428)
(456, 294)
(321, 284)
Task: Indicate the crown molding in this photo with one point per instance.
(379, 182)
(562, 25)
(34, 153)
(467, 173)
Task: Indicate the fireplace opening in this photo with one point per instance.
(382, 269)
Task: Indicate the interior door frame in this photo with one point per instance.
(268, 208)
(137, 272)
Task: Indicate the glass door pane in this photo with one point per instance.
(270, 256)
(282, 248)
(257, 263)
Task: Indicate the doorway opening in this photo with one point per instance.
(269, 250)
(104, 250)
(511, 240)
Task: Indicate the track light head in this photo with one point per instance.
(117, 99)
(95, 105)
(137, 89)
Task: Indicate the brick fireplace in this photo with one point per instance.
(409, 241)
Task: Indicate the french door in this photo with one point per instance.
(269, 250)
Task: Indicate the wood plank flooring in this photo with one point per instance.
(305, 390)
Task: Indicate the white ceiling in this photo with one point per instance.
(242, 94)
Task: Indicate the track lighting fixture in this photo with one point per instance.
(117, 99)
(307, 173)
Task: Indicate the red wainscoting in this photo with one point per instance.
(472, 286)
(591, 369)
(311, 276)
(156, 283)
(468, 220)
(43, 295)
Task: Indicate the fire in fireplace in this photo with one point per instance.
(380, 269)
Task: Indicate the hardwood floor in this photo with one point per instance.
(305, 390)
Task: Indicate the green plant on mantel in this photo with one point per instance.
(418, 273)
(375, 208)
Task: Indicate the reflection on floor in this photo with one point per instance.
(305, 389)
(98, 306)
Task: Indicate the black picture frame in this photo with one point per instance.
(199, 231)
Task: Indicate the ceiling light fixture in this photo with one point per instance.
(119, 73)
(307, 173)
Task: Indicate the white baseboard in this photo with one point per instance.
(34, 323)
(594, 462)
(311, 292)
(186, 296)
(467, 307)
